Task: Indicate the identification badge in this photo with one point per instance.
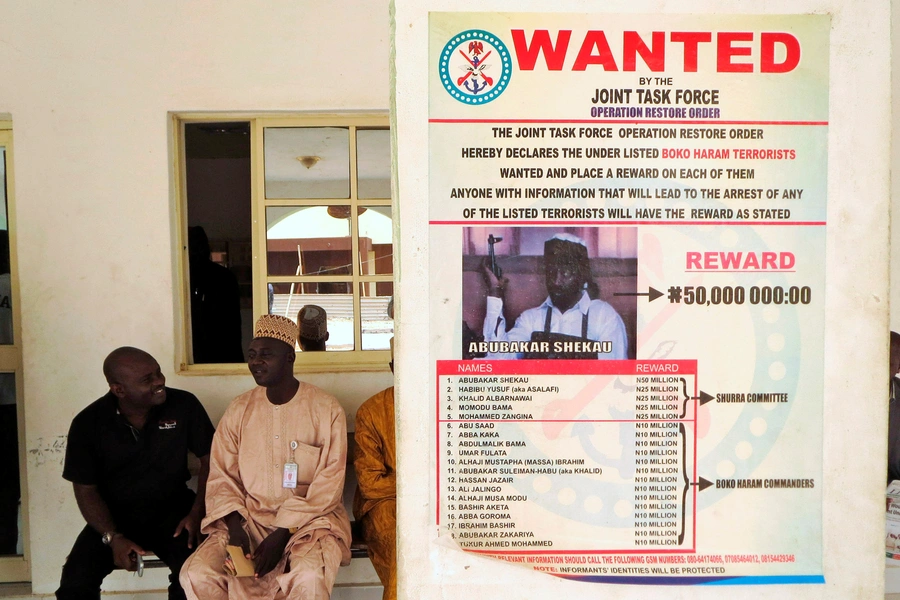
(289, 480)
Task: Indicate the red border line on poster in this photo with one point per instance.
(636, 222)
(637, 122)
(564, 367)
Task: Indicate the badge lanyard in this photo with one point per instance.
(289, 478)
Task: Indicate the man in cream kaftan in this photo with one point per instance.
(299, 536)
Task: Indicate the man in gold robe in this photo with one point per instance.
(275, 484)
(375, 504)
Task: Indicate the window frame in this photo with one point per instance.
(356, 360)
(15, 568)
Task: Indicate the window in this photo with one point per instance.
(14, 549)
(278, 213)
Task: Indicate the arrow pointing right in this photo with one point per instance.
(652, 294)
(703, 484)
(703, 398)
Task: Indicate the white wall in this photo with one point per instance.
(892, 578)
(895, 169)
(89, 85)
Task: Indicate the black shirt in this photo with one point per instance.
(139, 473)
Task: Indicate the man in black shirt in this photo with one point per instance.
(127, 460)
(215, 305)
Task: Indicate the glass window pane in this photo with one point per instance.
(333, 298)
(10, 492)
(377, 324)
(375, 241)
(373, 163)
(308, 240)
(307, 162)
(220, 258)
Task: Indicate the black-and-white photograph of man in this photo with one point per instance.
(552, 305)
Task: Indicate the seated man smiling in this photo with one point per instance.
(127, 460)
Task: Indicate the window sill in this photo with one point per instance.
(328, 363)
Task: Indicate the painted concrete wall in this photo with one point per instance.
(856, 307)
(892, 574)
(89, 85)
(895, 169)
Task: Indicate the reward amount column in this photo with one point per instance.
(664, 449)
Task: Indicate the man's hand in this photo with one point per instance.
(125, 552)
(191, 524)
(236, 534)
(496, 287)
(270, 551)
